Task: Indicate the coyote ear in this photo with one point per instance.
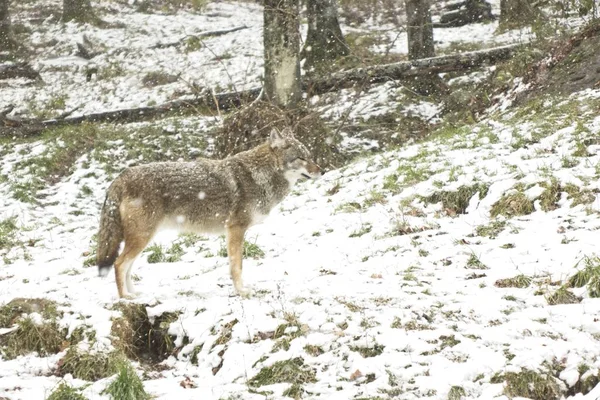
(277, 140)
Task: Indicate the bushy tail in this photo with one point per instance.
(110, 234)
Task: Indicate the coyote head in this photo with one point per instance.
(297, 161)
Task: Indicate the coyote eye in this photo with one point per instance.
(301, 159)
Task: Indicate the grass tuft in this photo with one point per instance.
(520, 281)
(456, 393)
(531, 385)
(456, 201)
(127, 385)
(492, 230)
(89, 366)
(367, 351)
(562, 296)
(44, 339)
(8, 233)
(65, 392)
(251, 250)
(512, 204)
(292, 371)
(589, 275)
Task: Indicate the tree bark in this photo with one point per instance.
(281, 35)
(324, 40)
(7, 42)
(419, 29)
(78, 11)
(517, 13)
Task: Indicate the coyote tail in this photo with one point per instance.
(110, 234)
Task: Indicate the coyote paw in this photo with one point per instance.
(130, 296)
(243, 291)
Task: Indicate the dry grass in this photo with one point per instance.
(512, 204)
(252, 125)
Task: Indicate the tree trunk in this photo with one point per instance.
(419, 29)
(324, 40)
(6, 40)
(78, 11)
(517, 13)
(281, 35)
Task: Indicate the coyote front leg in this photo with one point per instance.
(235, 247)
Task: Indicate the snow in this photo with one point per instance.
(347, 277)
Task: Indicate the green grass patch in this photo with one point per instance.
(364, 229)
(519, 281)
(390, 182)
(412, 174)
(250, 250)
(532, 385)
(287, 332)
(292, 371)
(368, 351)
(492, 230)
(313, 350)
(350, 207)
(65, 145)
(474, 262)
(89, 366)
(562, 296)
(589, 275)
(579, 196)
(513, 204)
(551, 195)
(158, 254)
(127, 385)
(375, 197)
(456, 393)
(8, 233)
(66, 392)
(456, 201)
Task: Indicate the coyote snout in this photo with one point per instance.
(205, 196)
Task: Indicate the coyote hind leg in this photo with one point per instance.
(133, 247)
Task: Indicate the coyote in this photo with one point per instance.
(203, 196)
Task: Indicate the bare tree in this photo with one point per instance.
(324, 40)
(281, 35)
(6, 40)
(78, 10)
(419, 29)
(517, 13)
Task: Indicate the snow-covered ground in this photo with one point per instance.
(391, 295)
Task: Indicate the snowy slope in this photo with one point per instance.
(351, 279)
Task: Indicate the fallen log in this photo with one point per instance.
(202, 35)
(410, 69)
(226, 101)
(21, 127)
(18, 70)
